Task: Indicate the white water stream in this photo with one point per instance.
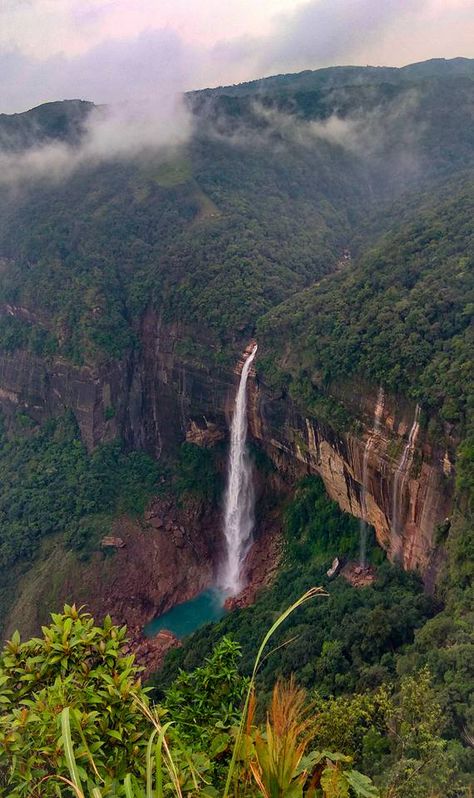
(365, 474)
(239, 497)
(399, 483)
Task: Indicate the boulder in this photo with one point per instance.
(111, 542)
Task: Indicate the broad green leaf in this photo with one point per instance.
(361, 784)
(334, 783)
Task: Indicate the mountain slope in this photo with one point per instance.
(260, 203)
(328, 211)
(400, 314)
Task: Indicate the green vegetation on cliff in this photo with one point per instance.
(400, 315)
(242, 232)
(51, 485)
(219, 249)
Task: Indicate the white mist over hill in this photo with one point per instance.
(118, 131)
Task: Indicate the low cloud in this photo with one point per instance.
(141, 77)
(362, 131)
(385, 141)
(122, 131)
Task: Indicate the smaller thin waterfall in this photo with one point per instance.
(365, 474)
(399, 484)
(239, 497)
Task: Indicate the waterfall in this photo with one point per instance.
(239, 497)
(365, 473)
(399, 484)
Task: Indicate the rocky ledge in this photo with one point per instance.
(150, 652)
(261, 565)
(359, 575)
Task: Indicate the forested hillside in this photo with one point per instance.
(273, 185)
(401, 314)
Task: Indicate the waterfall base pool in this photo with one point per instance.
(185, 618)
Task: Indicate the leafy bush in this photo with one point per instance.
(75, 714)
(205, 704)
(77, 665)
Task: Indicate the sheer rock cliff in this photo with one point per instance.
(157, 397)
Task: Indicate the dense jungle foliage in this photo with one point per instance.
(276, 180)
(75, 720)
(51, 484)
(216, 238)
(401, 315)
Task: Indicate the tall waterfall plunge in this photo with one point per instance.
(239, 497)
(365, 475)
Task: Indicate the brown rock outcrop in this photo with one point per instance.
(111, 542)
(150, 652)
(299, 444)
(359, 576)
(153, 571)
(204, 433)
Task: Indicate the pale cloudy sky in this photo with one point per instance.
(112, 50)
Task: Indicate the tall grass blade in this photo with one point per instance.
(159, 761)
(69, 751)
(314, 591)
(149, 764)
(170, 765)
(127, 785)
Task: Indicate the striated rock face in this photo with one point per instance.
(424, 497)
(153, 398)
(160, 397)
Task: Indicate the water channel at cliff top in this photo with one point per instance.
(185, 618)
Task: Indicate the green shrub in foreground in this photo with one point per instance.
(78, 665)
(76, 722)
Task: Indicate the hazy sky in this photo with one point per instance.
(112, 50)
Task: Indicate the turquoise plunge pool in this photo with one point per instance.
(185, 618)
